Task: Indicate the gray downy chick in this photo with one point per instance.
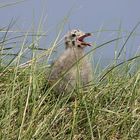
(70, 70)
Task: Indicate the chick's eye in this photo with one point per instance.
(73, 35)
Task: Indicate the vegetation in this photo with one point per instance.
(108, 110)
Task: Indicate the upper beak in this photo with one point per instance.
(88, 34)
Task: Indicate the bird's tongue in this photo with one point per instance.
(81, 39)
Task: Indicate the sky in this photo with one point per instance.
(89, 16)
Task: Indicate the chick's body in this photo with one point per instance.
(70, 69)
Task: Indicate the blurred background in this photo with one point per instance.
(106, 19)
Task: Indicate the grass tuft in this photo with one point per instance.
(108, 110)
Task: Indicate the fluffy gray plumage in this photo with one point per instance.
(72, 71)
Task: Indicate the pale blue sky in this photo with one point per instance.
(87, 15)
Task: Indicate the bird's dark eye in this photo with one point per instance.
(73, 35)
(79, 46)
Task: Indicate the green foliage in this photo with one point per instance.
(109, 108)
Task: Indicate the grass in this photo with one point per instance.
(108, 110)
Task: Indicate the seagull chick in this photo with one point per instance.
(72, 68)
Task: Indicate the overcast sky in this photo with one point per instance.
(87, 15)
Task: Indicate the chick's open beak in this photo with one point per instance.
(81, 39)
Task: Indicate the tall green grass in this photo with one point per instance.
(108, 110)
